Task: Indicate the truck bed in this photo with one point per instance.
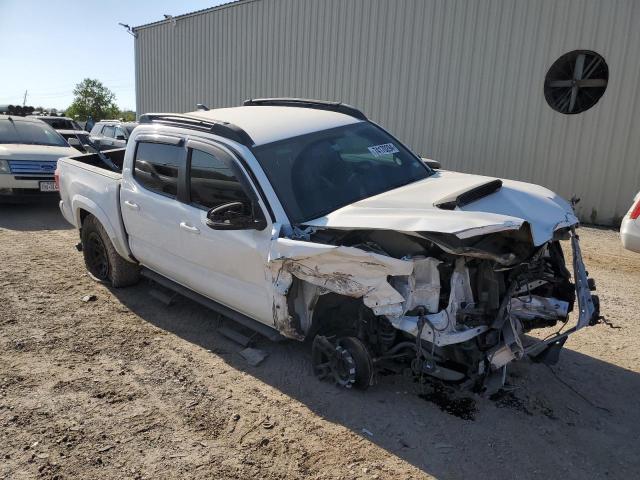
(93, 159)
(89, 186)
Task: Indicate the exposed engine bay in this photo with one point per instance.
(459, 310)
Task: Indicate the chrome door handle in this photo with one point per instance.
(189, 228)
(131, 205)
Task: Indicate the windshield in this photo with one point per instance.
(32, 133)
(318, 173)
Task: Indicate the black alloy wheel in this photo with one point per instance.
(97, 259)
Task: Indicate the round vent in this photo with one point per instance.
(576, 81)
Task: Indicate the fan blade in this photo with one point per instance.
(574, 95)
(595, 63)
(592, 82)
(577, 73)
(561, 83)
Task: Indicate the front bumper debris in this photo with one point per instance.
(588, 304)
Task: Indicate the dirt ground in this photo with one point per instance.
(126, 387)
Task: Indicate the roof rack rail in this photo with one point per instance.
(308, 103)
(223, 129)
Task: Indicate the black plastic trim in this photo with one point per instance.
(269, 332)
(472, 195)
(308, 103)
(43, 178)
(222, 129)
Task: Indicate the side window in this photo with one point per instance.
(213, 181)
(120, 133)
(109, 131)
(156, 167)
(97, 128)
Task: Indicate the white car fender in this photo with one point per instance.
(79, 202)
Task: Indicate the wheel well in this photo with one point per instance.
(83, 214)
(335, 314)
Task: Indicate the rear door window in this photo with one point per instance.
(109, 131)
(157, 167)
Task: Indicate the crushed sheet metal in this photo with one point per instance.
(344, 270)
(586, 308)
(530, 307)
(423, 287)
(444, 322)
(411, 209)
(583, 294)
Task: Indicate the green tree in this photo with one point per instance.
(92, 98)
(127, 115)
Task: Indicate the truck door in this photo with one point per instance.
(151, 211)
(229, 266)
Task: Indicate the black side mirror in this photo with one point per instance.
(434, 164)
(120, 137)
(234, 216)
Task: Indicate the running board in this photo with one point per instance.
(226, 312)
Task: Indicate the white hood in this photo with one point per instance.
(412, 209)
(16, 151)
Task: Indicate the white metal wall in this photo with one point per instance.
(459, 81)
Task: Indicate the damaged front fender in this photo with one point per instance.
(347, 271)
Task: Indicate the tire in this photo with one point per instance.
(103, 263)
(362, 360)
(347, 362)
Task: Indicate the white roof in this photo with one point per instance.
(266, 124)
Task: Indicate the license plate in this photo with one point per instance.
(48, 187)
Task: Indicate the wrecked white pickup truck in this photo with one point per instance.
(303, 219)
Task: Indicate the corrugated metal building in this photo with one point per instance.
(459, 81)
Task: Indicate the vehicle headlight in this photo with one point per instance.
(4, 166)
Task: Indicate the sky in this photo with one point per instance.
(48, 46)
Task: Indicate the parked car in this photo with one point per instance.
(71, 130)
(110, 134)
(304, 220)
(630, 227)
(29, 151)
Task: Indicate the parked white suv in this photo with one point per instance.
(109, 134)
(29, 151)
(303, 219)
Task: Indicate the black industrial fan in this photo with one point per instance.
(576, 81)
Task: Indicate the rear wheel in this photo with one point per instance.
(103, 263)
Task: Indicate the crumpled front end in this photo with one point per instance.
(457, 309)
(490, 309)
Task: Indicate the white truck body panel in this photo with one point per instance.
(96, 191)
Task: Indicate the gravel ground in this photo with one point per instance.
(125, 387)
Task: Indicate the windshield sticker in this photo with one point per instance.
(385, 149)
